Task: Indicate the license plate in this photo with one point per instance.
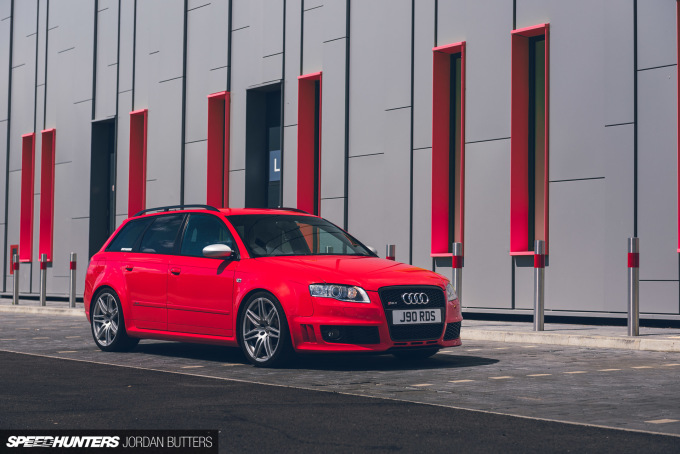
(416, 316)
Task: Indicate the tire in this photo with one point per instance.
(263, 331)
(107, 323)
(416, 355)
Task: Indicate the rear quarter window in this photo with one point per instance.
(127, 238)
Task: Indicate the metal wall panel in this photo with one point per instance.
(657, 173)
(486, 32)
(659, 297)
(657, 40)
(395, 54)
(366, 222)
(107, 59)
(422, 208)
(335, 14)
(488, 267)
(313, 37)
(618, 62)
(423, 42)
(290, 106)
(196, 163)
(575, 275)
(333, 122)
(618, 213)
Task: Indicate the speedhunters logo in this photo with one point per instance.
(184, 441)
(36, 441)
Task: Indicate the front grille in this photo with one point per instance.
(391, 300)
(350, 334)
(452, 331)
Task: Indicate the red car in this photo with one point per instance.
(272, 281)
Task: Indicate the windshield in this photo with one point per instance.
(267, 235)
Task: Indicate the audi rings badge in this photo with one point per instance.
(415, 298)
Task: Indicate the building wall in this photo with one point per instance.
(613, 125)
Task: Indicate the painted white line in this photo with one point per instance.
(662, 421)
(671, 365)
(423, 384)
(577, 372)
(642, 367)
(502, 348)
(231, 364)
(345, 393)
(68, 351)
(37, 338)
(608, 370)
(473, 349)
(528, 346)
(500, 378)
(539, 375)
(460, 381)
(191, 367)
(73, 337)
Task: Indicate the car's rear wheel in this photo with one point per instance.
(415, 355)
(108, 324)
(263, 331)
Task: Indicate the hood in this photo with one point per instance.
(370, 273)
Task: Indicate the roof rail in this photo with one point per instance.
(177, 207)
(297, 210)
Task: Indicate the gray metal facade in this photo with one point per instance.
(613, 125)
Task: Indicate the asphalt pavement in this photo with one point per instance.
(47, 393)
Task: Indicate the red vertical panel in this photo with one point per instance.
(519, 144)
(546, 172)
(13, 249)
(519, 191)
(461, 188)
(137, 182)
(47, 193)
(27, 185)
(441, 96)
(305, 156)
(216, 142)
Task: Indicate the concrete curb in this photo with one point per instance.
(77, 312)
(573, 340)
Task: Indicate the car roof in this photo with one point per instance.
(224, 211)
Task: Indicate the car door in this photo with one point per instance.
(146, 272)
(200, 289)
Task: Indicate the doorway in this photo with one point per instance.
(102, 183)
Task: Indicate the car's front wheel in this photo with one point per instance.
(263, 331)
(108, 324)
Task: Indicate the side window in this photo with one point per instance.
(161, 236)
(128, 236)
(203, 230)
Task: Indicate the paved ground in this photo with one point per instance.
(38, 392)
(605, 387)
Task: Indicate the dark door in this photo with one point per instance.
(102, 183)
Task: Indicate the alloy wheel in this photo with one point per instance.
(261, 329)
(105, 319)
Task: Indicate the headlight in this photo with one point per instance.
(339, 292)
(450, 292)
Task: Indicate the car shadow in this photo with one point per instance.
(317, 361)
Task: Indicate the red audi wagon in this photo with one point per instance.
(272, 281)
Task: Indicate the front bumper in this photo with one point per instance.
(358, 323)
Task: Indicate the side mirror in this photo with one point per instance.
(217, 251)
(372, 249)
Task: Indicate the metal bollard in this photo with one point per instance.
(43, 279)
(633, 286)
(457, 265)
(390, 253)
(15, 290)
(539, 284)
(72, 280)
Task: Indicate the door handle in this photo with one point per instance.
(175, 271)
(128, 267)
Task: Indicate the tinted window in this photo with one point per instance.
(161, 236)
(272, 235)
(128, 236)
(203, 230)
